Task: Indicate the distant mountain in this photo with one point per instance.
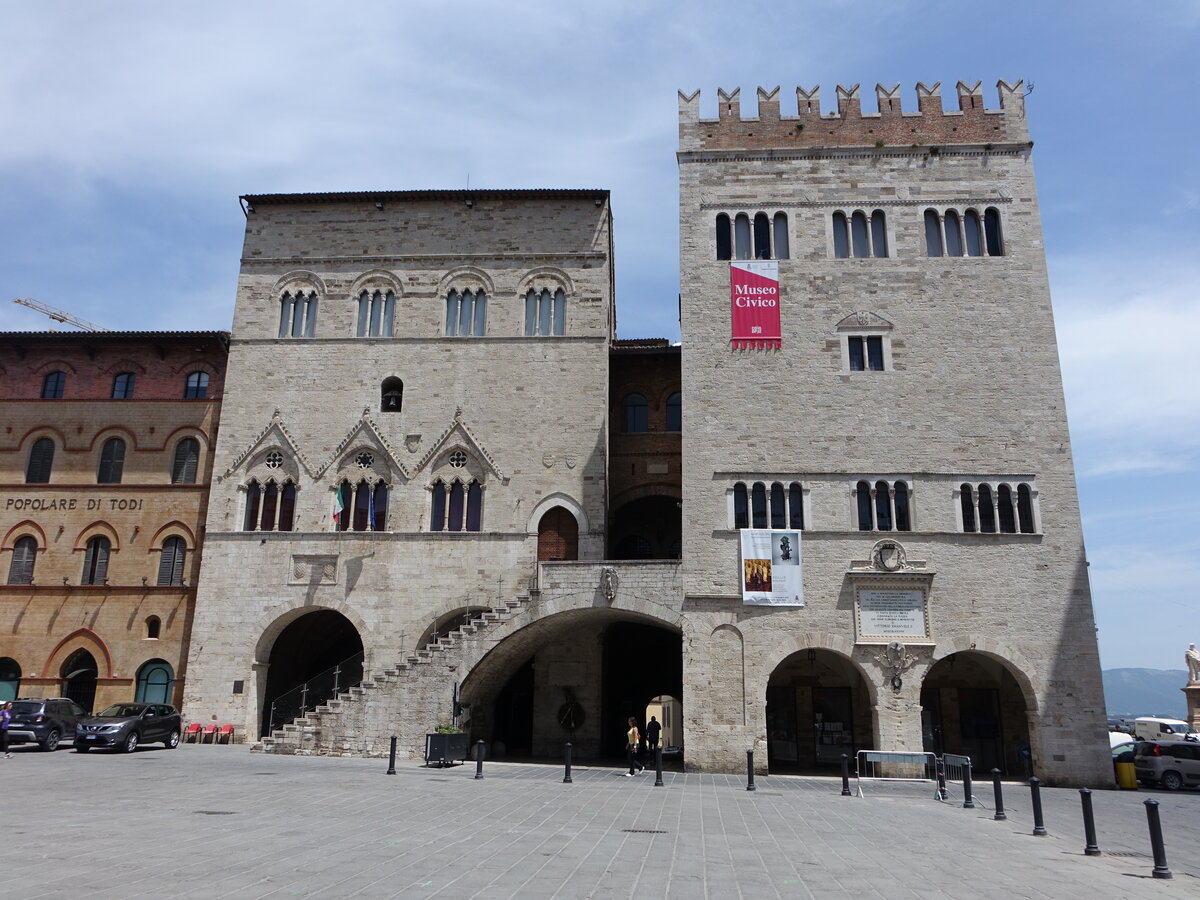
(1145, 692)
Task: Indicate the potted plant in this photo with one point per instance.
(445, 744)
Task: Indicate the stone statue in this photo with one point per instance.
(1192, 658)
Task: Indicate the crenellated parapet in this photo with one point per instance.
(931, 124)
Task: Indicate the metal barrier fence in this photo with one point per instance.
(957, 768)
(896, 765)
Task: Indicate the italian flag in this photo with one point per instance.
(339, 504)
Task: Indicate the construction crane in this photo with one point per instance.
(59, 315)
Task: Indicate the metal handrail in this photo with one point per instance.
(310, 694)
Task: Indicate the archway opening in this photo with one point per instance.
(155, 682)
(558, 536)
(314, 658)
(574, 677)
(818, 708)
(648, 528)
(10, 679)
(667, 712)
(972, 705)
(79, 675)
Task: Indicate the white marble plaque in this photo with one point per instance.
(892, 612)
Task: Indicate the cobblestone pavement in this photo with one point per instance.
(218, 822)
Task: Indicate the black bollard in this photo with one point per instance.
(567, 753)
(658, 782)
(750, 770)
(1156, 841)
(968, 789)
(1089, 824)
(479, 758)
(940, 766)
(1035, 793)
(392, 758)
(999, 793)
(846, 776)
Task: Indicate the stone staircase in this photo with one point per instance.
(404, 700)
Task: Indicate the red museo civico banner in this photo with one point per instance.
(754, 300)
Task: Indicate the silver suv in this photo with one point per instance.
(1171, 764)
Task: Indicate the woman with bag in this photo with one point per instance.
(633, 743)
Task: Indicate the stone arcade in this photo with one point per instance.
(438, 467)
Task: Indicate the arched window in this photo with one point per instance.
(762, 236)
(20, 570)
(53, 386)
(933, 233)
(95, 561)
(287, 506)
(10, 679)
(967, 503)
(741, 509)
(466, 313)
(900, 499)
(741, 236)
(155, 682)
(112, 462)
(545, 312)
(954, 245)
(297, 314)
(253, 502)
(675, 412)
(635, 414)
(879, 246)
(457, 506)
(724, 237)
(987, 512)
(376, 312)
(782, 251)
(1025, 509)
(991, 229)
(363, 506)
(41, 461)
(860, 235)
(778, 507)
(883, 507)
(196, 386)
(391, 395)
(122, 388)
(841, 236)
(153, 627)
(1007, 512)
(187, 460)
(795, 506)
(973, 232)
(270, 503)
(758, 505)
(862, 492)
(170, 564)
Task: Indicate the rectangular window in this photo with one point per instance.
(865, 353)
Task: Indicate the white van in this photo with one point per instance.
(1156, 728)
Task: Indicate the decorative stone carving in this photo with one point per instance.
(889, 556)
(894, 658)
(608, 583)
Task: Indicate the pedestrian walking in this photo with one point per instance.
(5, 718)
(633, 743)
(653, 730)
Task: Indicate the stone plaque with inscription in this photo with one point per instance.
(883, 613)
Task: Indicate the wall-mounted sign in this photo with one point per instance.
(771, 572)
(886, 613)
(754, 299)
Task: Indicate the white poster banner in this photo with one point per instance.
(771, 570)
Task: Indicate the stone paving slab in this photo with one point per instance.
(220, 822)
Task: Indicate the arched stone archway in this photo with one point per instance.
(574, 676)
(79, 678)
(314, 656)
(973, 704)
(819, 706)
(558, 536)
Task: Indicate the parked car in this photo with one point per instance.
(125, 726)
(45, 721)
(1171, 764)
(1158, 728)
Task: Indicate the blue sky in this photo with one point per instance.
(130, 128)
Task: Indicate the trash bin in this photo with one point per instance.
(1126, 776)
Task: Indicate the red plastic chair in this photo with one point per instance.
(210, 730)
(225, 735)
(192, 732)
